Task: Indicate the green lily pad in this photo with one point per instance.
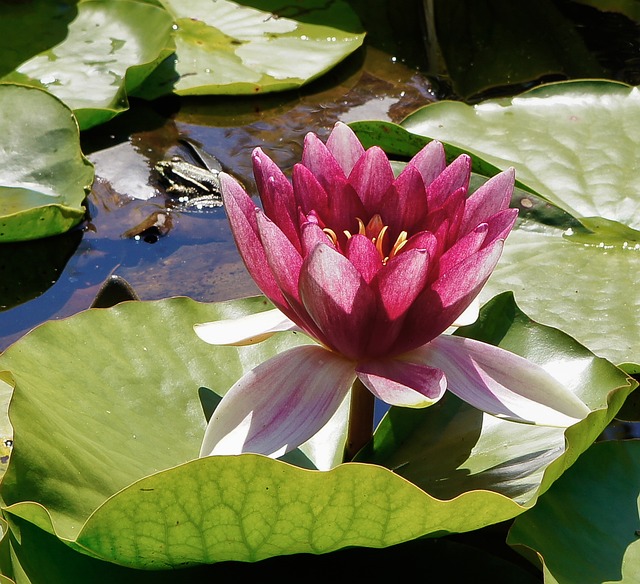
(110, 48)
(574, 144)
(585, 529)
(250, 47)
(110, 465)
(43, 174)
(46, 560)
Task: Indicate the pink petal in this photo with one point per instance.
(321, 162)
(276, 194)
(405, 202)
(310, 194)
(371, 177)
(345, 147)
(312, 235)
(429, 162)
(502, 383)
(422, 240)
(500, 225)
(246, 330)
(241, 212)
(464, 247)
(400, 383)
(453, 177)
(401, 280)
(362, 253)
(464, 279)
(284, 259)
(440, 305)
(491, 197)
(338, 299)
(398, 284)
(280, 404)
(331, 197)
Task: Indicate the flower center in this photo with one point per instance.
(376, 231)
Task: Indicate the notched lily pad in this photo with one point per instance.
(114, 476)
(43, 174)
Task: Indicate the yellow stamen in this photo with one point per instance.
(376, 231)
(331, 234)
(379, 241)
(398, 245)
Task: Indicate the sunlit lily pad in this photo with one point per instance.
(109, 466)
(585, 529)
(227, 47)
(575, 144)
(111, 46)
(43, 174)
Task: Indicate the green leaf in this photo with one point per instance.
(574, 144)
(108, 423)
(585, 529)
(47, 560)
(595, 297)
(43, 174)
(249, 47)
(111, 47)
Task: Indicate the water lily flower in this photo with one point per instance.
(375, 268)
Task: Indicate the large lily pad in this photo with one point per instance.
(110, 48)
(43, 174)
(109, 465)
(574, 144)
(248, 47)
(585, 529)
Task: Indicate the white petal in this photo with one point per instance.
(502, 383)
(280, 404)
(470, 315)
(245, 330)
(326, 448)
(402, 383)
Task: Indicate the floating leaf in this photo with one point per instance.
(235, 48)
(575, 144)
(43, 174)
(585, 529)
(111, 46)
(109, 465)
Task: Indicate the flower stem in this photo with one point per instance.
(360, 428)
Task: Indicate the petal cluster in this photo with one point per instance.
(375, 268)
(370, 264)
